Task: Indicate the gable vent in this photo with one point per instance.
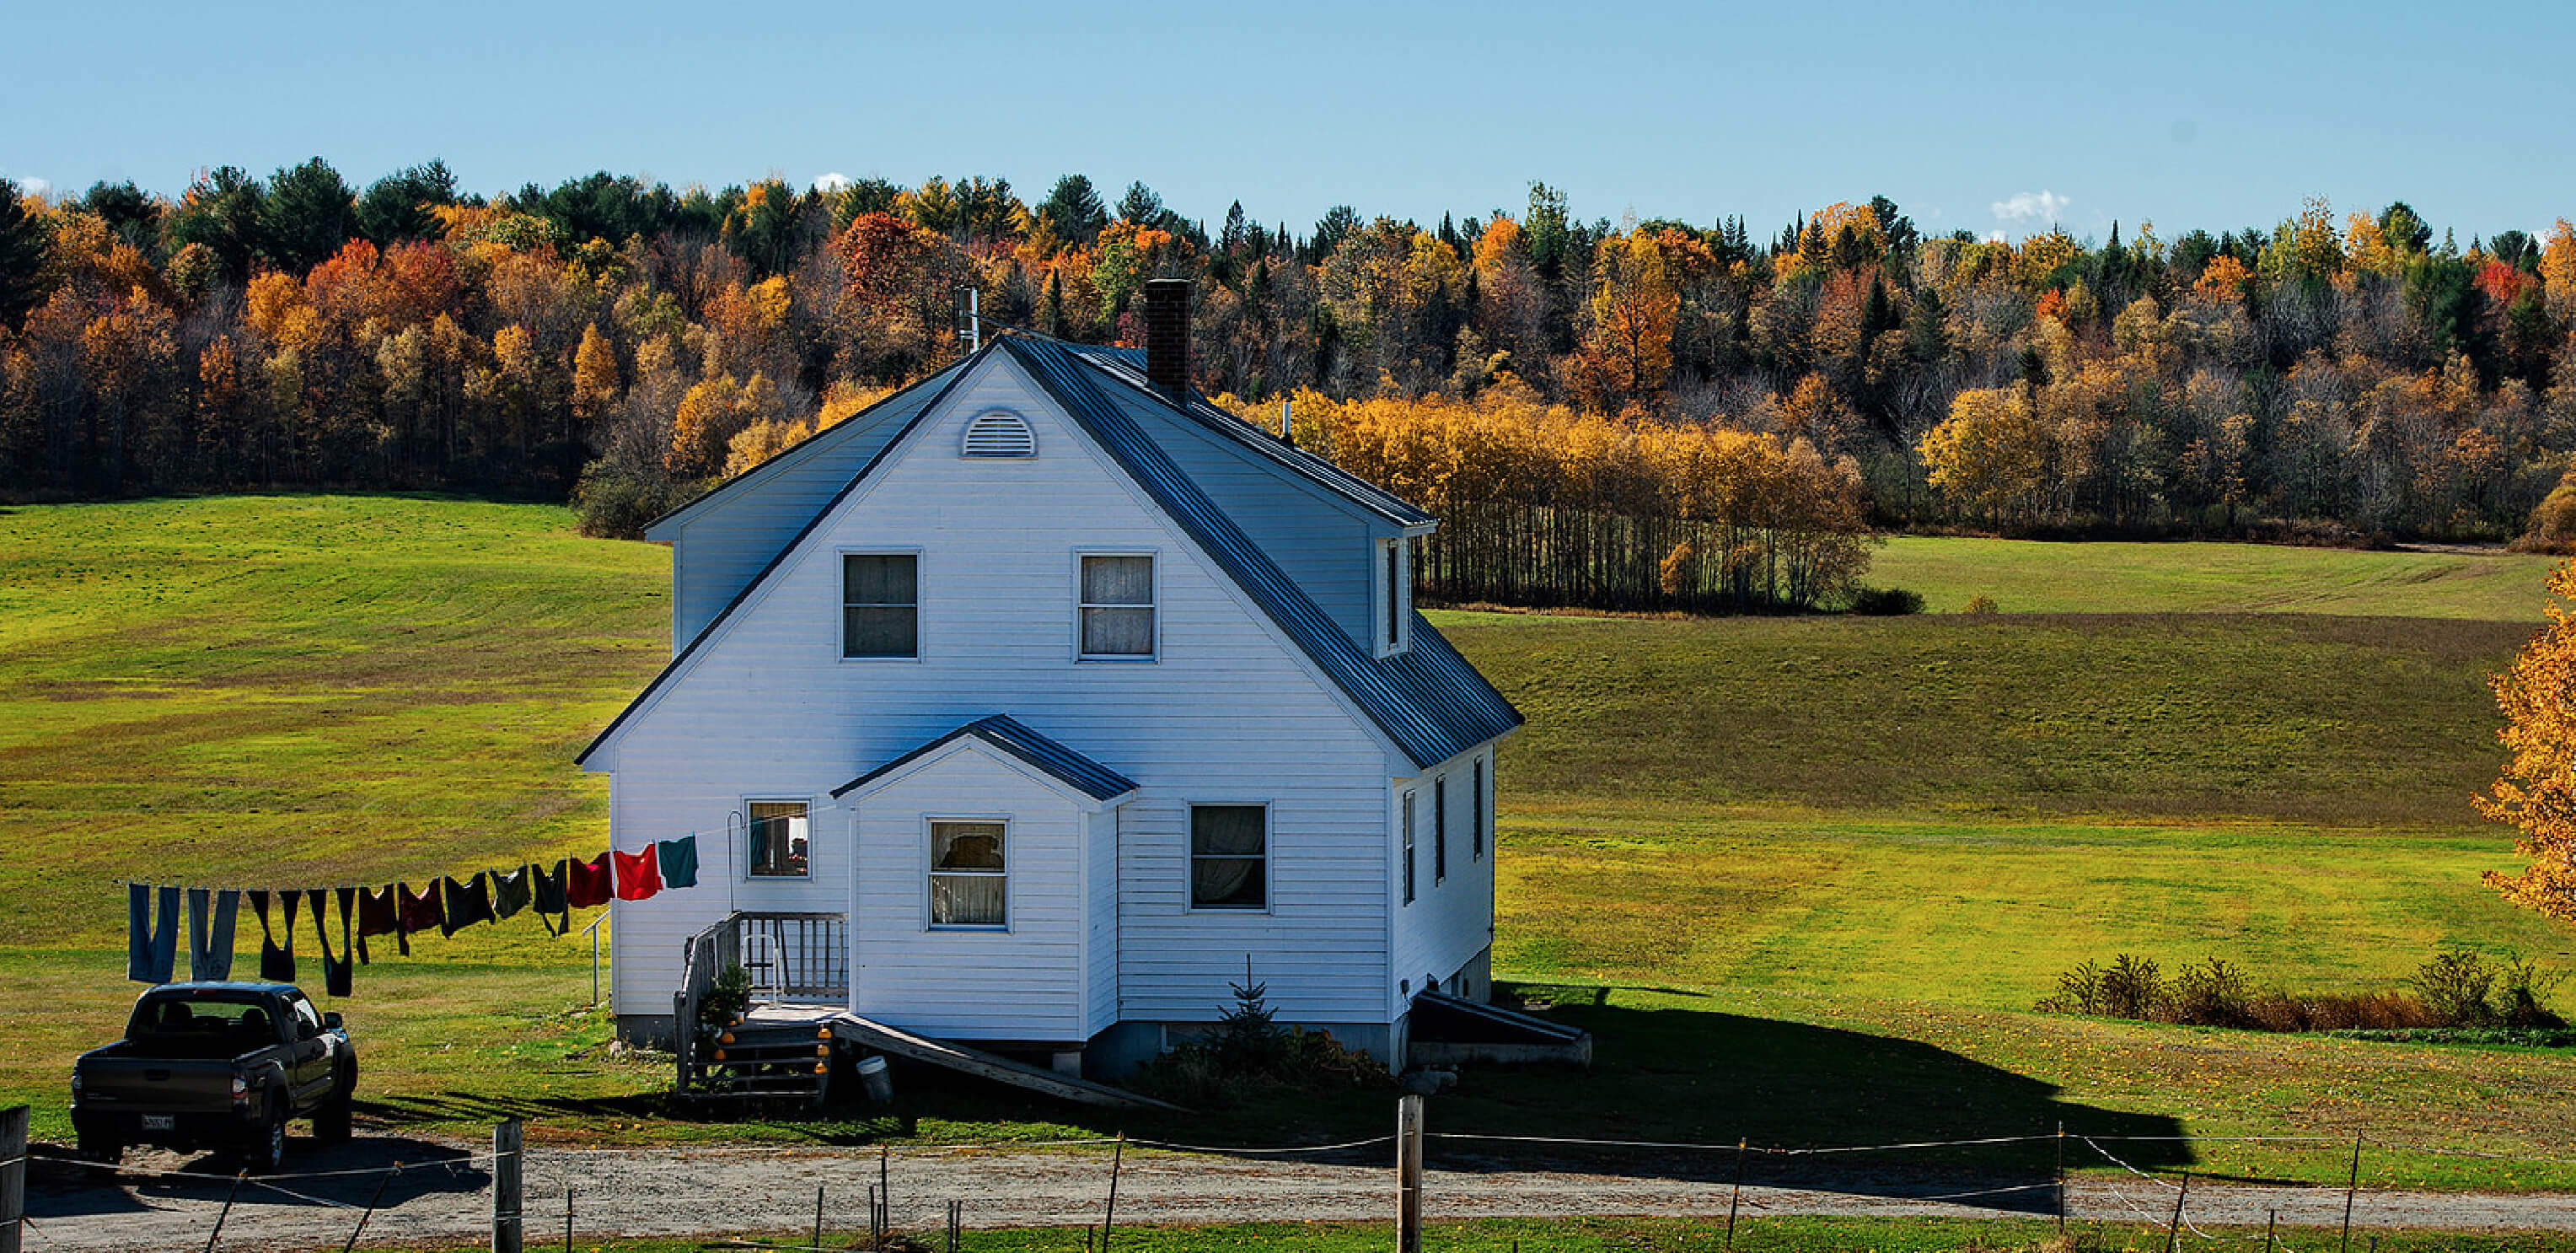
(1000, 433)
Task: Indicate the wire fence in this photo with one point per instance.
(594, 1209)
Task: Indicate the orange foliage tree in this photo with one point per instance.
(2536, 791)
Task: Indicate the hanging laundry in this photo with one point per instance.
(380, 913)
(468, 903)
(150, 951)
(420, 910)
(589, 884)
(210, 934)
(511, 892)
(679, 861)
(335, 970)
(638, 878)
(276, 962)
(553, 907)
(349, 945)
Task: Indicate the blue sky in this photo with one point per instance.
(1991, 117)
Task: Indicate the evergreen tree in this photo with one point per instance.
(129, 211)
(1545, 229)
(1073, 210)
(1330, 230)
(396, 208)
(1141, 205)
(309, 213)
(222, 211)
(22, 257)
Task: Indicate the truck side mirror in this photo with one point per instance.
(331, 1021)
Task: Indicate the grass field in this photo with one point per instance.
(1814, 871)
(2025, 577)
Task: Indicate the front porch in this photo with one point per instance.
(783, 1044)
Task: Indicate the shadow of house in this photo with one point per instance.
(1691, 1076)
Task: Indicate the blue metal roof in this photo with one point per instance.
(1427, 699)
(1007, 734)
(1127, 366)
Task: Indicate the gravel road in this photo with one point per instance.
(443, 1194)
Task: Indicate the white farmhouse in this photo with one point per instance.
(1027, 706)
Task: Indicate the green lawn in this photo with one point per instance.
(1813, 870)
(2022, 576)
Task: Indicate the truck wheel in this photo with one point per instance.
(269, 1151)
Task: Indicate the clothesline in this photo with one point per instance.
(113, 881)
(443, 904)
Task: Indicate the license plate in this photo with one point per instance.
(159, 1122)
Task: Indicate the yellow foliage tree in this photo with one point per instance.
(2536, 791)
(2558, 271)
(594, 375)
(1633, 310)
(1992, 453)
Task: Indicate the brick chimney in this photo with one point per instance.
(1167, 336)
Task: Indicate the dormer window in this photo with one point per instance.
(999, 433)
(1394, 596)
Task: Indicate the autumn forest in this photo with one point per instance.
(1641, 413)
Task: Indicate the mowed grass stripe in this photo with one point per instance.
(1979, 913)
(2024, 576)
(2331, 720)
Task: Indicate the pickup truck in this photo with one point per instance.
(215, 1065)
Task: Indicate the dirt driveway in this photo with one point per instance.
(443, 1193)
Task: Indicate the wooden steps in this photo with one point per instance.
(755, 1060)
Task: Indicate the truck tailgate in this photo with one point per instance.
(161, 1085)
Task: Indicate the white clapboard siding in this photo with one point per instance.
(1230, 711)
(1025, 983)
(1451, 919)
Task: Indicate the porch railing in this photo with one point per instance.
(791, 957)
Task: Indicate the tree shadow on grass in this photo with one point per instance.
(1788, 1089)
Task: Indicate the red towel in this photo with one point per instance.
(421, 911)
(639, 875)
(589, 883)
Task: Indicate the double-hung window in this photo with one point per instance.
(1229, 856)
(969, 884)
(1395, 597)
(1117, 606)
(880, 605)
(1440, 830)
(1407, 820)
(781, 840)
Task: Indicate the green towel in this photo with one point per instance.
(680, 861)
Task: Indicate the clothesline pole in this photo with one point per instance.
(593, 932)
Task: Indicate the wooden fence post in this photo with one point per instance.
(1408, 1174)
(505, 1187)
(13, 1177)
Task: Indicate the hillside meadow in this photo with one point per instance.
(1804, 876)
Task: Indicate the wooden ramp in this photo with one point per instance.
(958, 1057)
